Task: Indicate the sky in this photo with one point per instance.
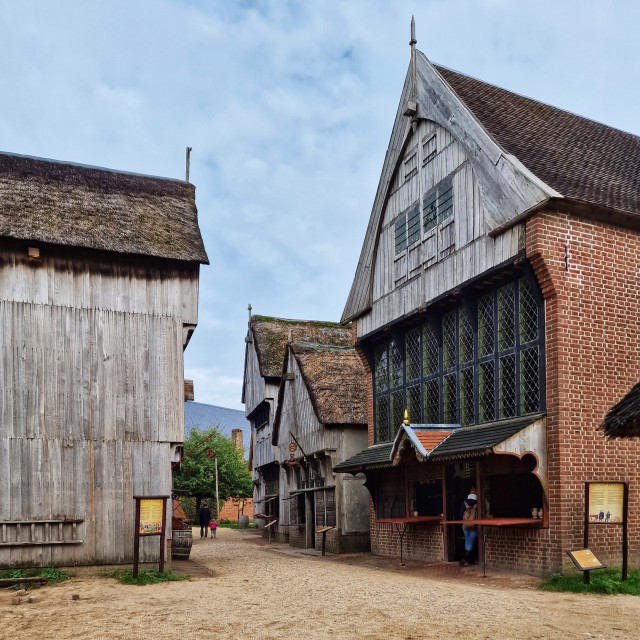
(288, 106)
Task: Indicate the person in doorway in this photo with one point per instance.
(205, 519)
(214, 527)
(469, 511)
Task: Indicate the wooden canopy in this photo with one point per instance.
(623, 420)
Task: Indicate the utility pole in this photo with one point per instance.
(217, 496)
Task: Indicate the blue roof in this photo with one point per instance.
(204, 416)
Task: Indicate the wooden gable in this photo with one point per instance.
(450, 185)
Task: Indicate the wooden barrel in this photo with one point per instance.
(181, 541)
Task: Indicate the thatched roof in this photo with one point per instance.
(271, 336)
(336, 381)
(623, 420)
(79, 206)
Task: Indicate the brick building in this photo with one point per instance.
(496, 299)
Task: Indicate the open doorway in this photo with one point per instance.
(460, 477)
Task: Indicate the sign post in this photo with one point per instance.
(151, 520)
(606, 503)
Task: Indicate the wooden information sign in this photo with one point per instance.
(151, 520)
(606, 503)
(585, 559)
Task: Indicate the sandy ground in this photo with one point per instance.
(262, 591)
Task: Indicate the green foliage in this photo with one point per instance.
(147, 577)
(50, 573)
(196, 476)
(606, 581)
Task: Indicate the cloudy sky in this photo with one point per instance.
(288, 106)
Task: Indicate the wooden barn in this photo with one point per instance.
(266, 347)
(98, 299)
(496, 300)
(321, 419)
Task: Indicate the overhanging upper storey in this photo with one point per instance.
(466, 163)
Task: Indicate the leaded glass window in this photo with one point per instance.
(431, 350)
(432, 401)
(413, 224)
(465, 348)
(447, 372)
(381, 368)
(412, 349)
(467, 397)
(486, 326)
(449, 358)
(486, 391)
(528, 313)
(529, 381)
(450, 398)
(507, 386)
(506, 317)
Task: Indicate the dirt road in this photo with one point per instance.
(259, 592)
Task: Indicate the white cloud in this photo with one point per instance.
(288, 107)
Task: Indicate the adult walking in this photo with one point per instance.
(205, 519)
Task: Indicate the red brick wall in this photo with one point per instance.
(589, 276)
(229, 510)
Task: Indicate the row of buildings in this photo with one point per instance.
(496, 301)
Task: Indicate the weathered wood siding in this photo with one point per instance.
(91, 400)
(445, 257)
(254, 384)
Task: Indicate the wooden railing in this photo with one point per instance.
(26, 533)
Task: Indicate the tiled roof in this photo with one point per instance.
(623, 420)
(376, 456)
(431, 439)
(204, 416)
(578, 157)
(469, 440)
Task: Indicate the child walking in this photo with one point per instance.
(213, 525)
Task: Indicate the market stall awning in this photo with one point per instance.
(623, 420)
(423, 438)
(481, 439)
(376, 457)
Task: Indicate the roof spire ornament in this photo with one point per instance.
(411, 109)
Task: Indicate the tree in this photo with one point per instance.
(196, 476)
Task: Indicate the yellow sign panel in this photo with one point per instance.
(606, 502)
(585, 560)
(150, 516)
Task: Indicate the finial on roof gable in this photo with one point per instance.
(411, 109)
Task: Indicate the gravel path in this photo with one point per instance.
(265, 592)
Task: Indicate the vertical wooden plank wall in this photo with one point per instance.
(91, 397)
(474, 252)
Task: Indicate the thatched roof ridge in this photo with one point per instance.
(76, 205)
(623, 420)
(336, 381)
(271, 336)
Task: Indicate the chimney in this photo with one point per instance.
(236, 438)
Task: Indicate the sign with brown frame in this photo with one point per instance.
(606, 503)
(151, 520)
(586, 560)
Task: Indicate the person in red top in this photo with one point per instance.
(214, 527)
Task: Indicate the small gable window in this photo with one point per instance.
(437, 206)
(411, 164)
(429, 149)
(407, 228)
